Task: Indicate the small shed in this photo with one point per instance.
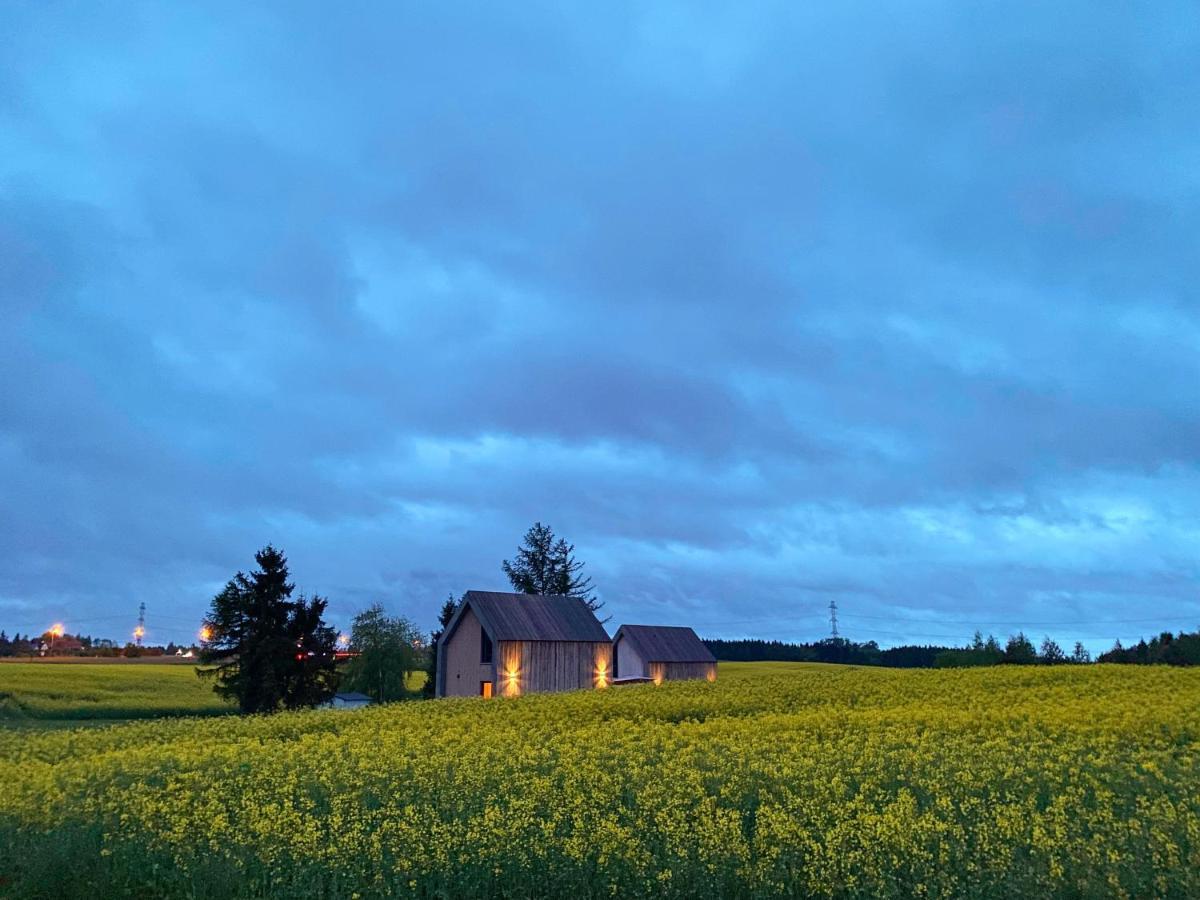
(349, 700)
(661, 653)
(501, 644)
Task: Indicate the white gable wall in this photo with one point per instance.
(460, 657)
(628, 661)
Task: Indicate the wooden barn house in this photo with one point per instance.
(513, 644)
(661, 653)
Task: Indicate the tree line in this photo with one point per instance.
(1181, 649)
(1168, 649)
(31, 645)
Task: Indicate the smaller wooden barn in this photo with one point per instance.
(661, 653)
(506, 645)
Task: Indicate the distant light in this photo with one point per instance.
(57, 629)
(206, 633)
(139, 632)
(343, 640)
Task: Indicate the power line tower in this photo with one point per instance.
(833, 618)
(140, 631)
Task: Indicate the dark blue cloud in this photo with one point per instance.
(761, 308)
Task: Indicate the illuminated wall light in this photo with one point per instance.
(601, 673)
(512, 683)
(712, 673)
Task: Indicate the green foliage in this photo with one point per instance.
(980, 652)
(1167, 648)
(546, 565)
(386, 655)
(266, 650)
(17, 646)
(1051, 654)
(1019, 650)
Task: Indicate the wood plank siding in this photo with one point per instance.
(529, 666)
(662, 653)
(521, 643)
(681, 671)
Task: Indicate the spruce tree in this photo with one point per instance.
(1051, 653)
(266, 650)
(545, 565)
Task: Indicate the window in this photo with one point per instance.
(485, 647)
(485, 689)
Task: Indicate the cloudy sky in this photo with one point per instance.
(761, 306)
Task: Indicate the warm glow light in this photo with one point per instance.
(57, 629)
(712, 673)
(343, 640)
(512, 686)
(139, 632)
(206, 633)
(601, 673)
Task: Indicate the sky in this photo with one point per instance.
(761, 306)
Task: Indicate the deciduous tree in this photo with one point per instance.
(1019, 650)
(386, 654)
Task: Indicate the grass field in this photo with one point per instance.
(103, 690)
(777, 781)
(42, 691)
(56, 694)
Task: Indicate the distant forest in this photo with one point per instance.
(1166, 649)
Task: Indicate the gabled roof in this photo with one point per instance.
(531, 617)
(665, 643)
(354, 696)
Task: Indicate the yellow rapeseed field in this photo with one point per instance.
(776, 781)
